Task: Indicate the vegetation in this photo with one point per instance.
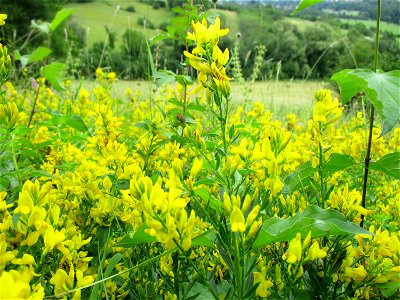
(188, 193)
(295, 48)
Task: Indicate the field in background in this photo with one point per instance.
(384, 26)
(95, 16)
(280, 97)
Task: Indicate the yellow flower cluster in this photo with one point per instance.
(207, 58)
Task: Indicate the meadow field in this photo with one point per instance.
(210, 186)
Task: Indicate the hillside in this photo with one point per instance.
(95, 16)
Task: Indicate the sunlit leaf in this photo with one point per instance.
(60, 17)
(139, 237)
(338, 162)
(388, 164)
(321, 222)
(304, 4)
(300, 178)
(52, 73)
(382, 89)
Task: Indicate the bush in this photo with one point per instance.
(131, 9)
(146, 23)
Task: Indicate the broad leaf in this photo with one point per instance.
(304, 4)
(164, 76)
(38, 54)
(389, 164)
(382, 89)
(52, 73)
(300, 178)
(338, 162)
(321, 222)
(75, 122)
(60, 17)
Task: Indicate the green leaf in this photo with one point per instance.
(382, 89)
(198, 291)
(52, 73)
(158, 38)
(171, 30)
(139, 237)
(205, 195)
(388, 164)
(75, 122)
(112, 262)
(300, 178)
(43, 27)
(142, 125)
(38, 54)
(338, 162)
(164, 76)
(206, 239)
(304, 4)
(60, 17)
(40, 173)
(321, 222)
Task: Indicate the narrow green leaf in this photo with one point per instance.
(388, 164)
(321, 222)
(300, 178)
(60, 17)
(111, 263)
(304, 4)
(338, 162)
(52, 73)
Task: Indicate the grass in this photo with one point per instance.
(280, 98)
(96, 15)
(384, 26)
(301, 24)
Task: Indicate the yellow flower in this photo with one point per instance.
(52, 238)
(13, 286)
(196, 168)
(62, 281)
(2, 18)
(293, 254)
(315, 252)
(237, 220)
(357, 274)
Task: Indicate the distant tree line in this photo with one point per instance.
(292, 52)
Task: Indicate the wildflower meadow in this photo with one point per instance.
(188, 194)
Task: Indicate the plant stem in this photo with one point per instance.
(371, 120)
(238, 268)
(34, 106)
(321, 177)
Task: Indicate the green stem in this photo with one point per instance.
(238, 269)
(371, 120)
(320, 173)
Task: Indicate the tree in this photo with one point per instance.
(21, 12)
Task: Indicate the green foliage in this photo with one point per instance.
(380, 88)
(321, 223)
